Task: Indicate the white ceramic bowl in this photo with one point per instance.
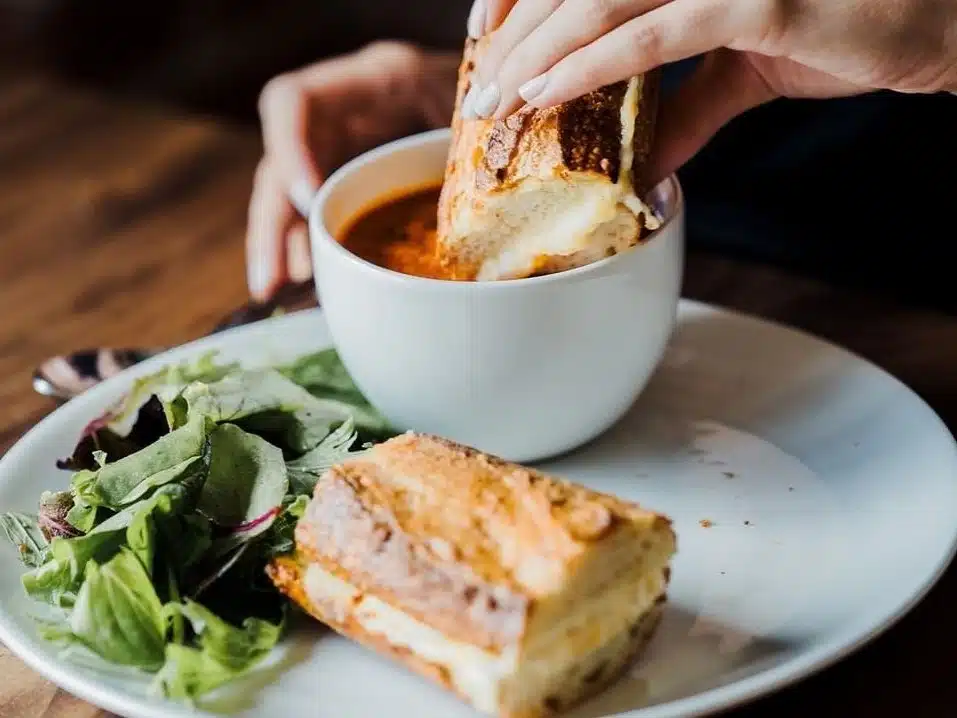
(525, 369)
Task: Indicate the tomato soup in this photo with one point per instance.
(399, 234)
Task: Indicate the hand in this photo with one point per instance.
(315, 119)
(544, 52)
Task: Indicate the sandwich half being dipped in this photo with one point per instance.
(520, 592)
(546, 190)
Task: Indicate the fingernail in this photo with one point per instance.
(298, 257)
(533, 88)
(468, 103)
(476, 22)
(257, 275)
(486, 100)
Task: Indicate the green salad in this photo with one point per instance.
(179, 497)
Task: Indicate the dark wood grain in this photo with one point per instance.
(123, 224)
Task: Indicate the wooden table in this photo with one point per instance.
(124, 225)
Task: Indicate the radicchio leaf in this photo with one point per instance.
(52, 515)
(149, 426)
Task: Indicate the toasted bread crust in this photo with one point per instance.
(581, 135)
(462, 541)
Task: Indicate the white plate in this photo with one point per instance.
(831, 488)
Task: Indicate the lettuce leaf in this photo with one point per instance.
(181, 494)
(117, 615)
(223, 651)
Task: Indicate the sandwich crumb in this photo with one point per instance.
(706, 523)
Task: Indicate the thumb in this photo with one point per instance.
(724, 85)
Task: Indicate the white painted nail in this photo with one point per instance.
(298, 256)
(468, 103)
(487, 100)
(258, 270)
(533, 88)
(476, 22)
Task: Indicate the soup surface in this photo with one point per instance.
(399, 233)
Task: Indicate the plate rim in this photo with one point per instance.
(710, 701)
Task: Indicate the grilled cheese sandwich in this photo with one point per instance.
(520, 592)
(546, 190)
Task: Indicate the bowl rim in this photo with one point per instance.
(319, 232)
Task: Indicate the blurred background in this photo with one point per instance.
(826, 189)
(208, 56)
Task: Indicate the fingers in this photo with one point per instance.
(675, 31)
(312, 120)
(284, 113)
(722, 87)
(270, 219)
(523, 20)
(485, 95)
(298, 253)
(530, 43)
(288, 105)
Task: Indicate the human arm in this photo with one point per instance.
(316, 118)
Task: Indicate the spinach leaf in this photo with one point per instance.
(245, 487)
(265, 402)
(170, 458)
(324, 374)
(247, 477)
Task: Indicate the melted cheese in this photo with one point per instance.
(629, 118)
(522, 674)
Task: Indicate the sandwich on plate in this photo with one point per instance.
(521, 592)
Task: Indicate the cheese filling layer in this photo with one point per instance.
(520, 674)
(543, 218)
(629, 119)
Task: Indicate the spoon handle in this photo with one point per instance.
(69, 375)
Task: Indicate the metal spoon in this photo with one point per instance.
(66, 376)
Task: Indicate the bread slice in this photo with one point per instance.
(520, 592)
(546, 190)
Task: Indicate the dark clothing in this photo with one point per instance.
(857, 190)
